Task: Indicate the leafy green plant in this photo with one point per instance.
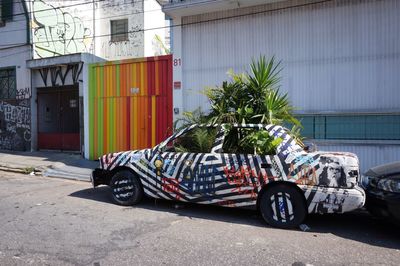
(251, 97)
(198, 140)
(261, 143)
(189, 118)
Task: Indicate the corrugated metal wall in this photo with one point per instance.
(341, 55)
(130, 104)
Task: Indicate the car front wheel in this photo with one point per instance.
(283, 206)
(126, 188)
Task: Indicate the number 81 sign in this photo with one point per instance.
(177, 62)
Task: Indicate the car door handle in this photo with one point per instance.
(265, 165)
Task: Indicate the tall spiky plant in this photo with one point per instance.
(252, 97)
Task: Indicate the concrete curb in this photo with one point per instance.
(21, 170)
(65, 175)
(49, 171)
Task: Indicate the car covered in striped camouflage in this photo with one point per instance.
(284, 185)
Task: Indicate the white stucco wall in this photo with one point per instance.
(155, 24)
(77, 26)
(13, 33)
(115, 10)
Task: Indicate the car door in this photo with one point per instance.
(244, 173)
(185, 170)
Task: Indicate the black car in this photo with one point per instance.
(382, 186)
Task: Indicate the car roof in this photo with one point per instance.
(384, 169)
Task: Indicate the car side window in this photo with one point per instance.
(197, 140)
(250, 141)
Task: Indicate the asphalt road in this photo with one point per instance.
(45, 221)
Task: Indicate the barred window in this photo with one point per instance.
(7, 83)
(119, 30)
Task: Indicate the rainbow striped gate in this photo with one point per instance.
(130, 104)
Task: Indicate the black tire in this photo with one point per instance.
(126, 188)
(283, 206)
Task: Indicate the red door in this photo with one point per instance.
(58, 118)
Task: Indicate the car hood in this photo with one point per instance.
(383, 170)
(111, 160)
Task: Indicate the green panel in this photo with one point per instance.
(117, 78)
(351, 127)
(100, 125)
(345, 127)
(100, 113)
(101, 83)
(319, 127)
(384, 127)
(308, 126)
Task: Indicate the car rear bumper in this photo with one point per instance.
(333, 200)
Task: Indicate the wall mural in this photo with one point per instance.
(15, 124)
(58, 32)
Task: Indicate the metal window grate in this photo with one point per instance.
(7, 83)
(119, 30)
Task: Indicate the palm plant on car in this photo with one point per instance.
(252, 97)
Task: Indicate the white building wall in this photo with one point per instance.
(344, 54)
(13, 33)
(154, 24)
(84, 26)
(115, 10)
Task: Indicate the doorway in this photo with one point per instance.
(58, 118)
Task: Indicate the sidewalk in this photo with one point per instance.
(51, 164)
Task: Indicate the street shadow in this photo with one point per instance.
(191, 210)
(358, 226)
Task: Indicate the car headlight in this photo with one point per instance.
(390, 184)
(365, 181)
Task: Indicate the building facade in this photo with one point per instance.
(340, 60)
(45, 53)
(15, 82)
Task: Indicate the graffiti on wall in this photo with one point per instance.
(23, 93)
(58, 74)
(15, 125)
(58, 32)
(131, 48)
(116, 6)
